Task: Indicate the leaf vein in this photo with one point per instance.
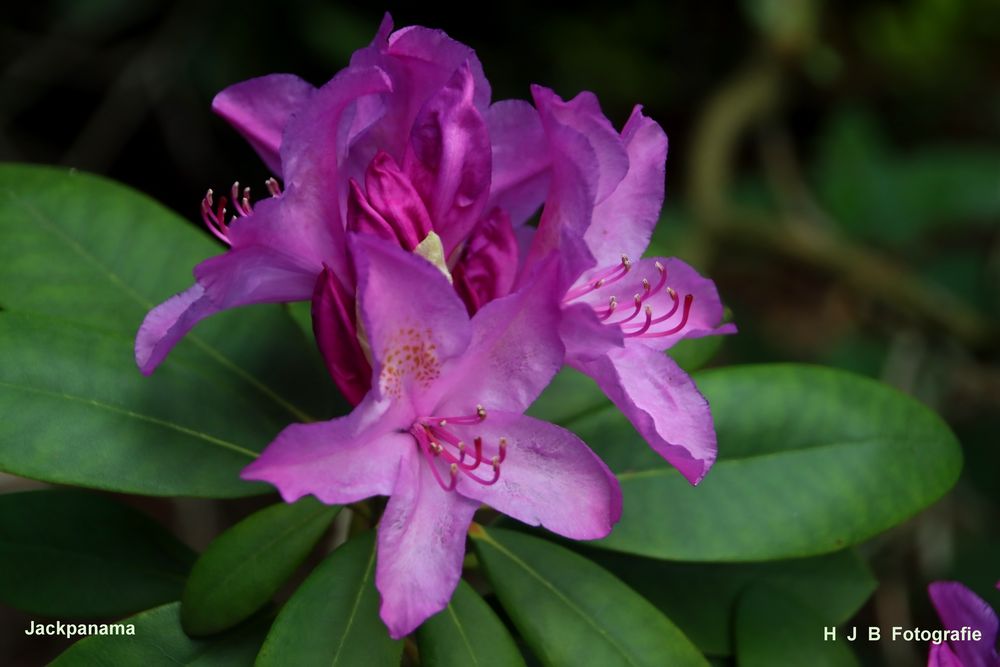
(568, 602)
(219, 442)
(354, 608)
(117, 281)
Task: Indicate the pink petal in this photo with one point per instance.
(237, 278)
(624, 222)
(364, 219)
(340, 461)
(419, 61)
(421, 545)
(259, 110)
(957, 606)
(585, 336)
(166, 324)
(448, 158)
(255, 274)
(662, 403)
(411, 316)
(548, 477)
(318, 157)
(488, 265)
(942, 656)
(575, 178)
(390, 193)
(429, 53)
(520, 169)
(333, 318)
(583, 115)
(514, 352)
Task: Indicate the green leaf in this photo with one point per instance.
(333, 617)
(158, 639)
(571, 611)
(570, 397)
(301, 314)
(775, 629)
(72, 554)
(467, 633)
(574, 400)
(701, 598)
(811, 460)
(877, 195)
(82, 260)
(693, 353)
(247, 564)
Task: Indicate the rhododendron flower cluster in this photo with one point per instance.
(403, 206)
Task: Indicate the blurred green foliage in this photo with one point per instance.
(879, 148)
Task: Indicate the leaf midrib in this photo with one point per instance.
(354, 609)
(220, 358)
(461, 633)
(266, 546)
(156, 421)
(665, 470)
(555, 591)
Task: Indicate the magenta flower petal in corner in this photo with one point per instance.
(962, 612)
(442, 429)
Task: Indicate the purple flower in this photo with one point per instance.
(442, 430)
(962, 610)
(602, 193)
(404, 145)
(394, 145)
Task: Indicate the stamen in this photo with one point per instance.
(241, 202)
(612, 304)
(637, 300)
(673, 309)
(451, 439)
(662, 270)
(215, 216)
(614, 274)
(215, 219)
(466, 419)
(486, 482)
(478, 444)
(688, 300)
(425, 448)
(645, 327)
(437, 442)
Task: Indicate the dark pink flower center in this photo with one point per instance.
(442, 447)
(651, 324)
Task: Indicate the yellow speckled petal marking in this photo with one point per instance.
(410, 353)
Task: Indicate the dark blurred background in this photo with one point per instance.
(834, 166)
